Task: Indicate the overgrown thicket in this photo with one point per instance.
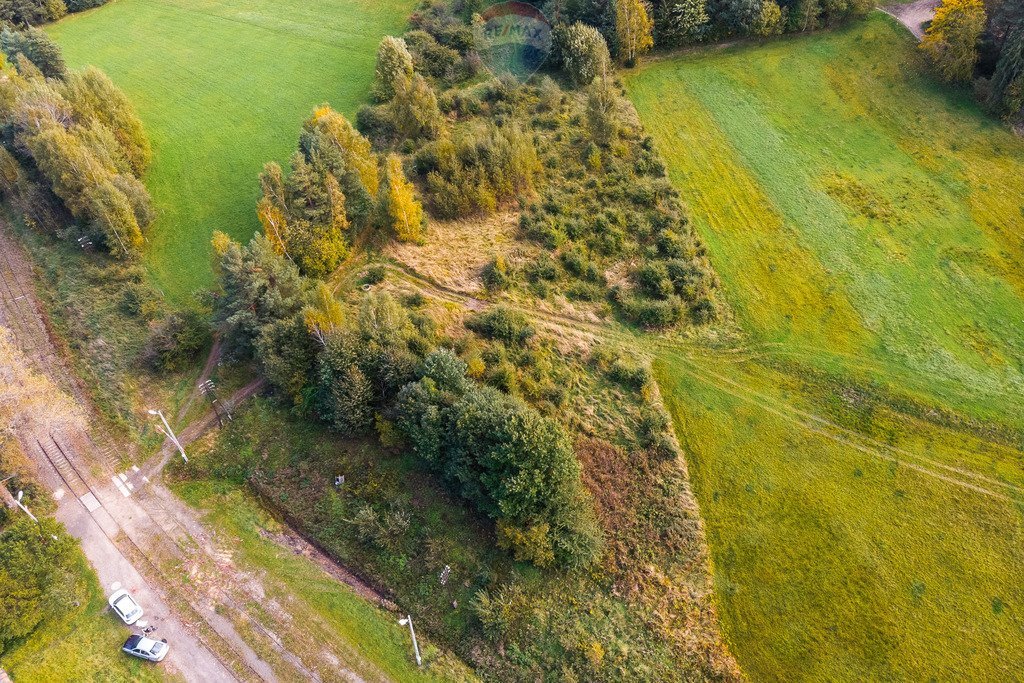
(981, 42)
(389, 372)
(591, 189)
(73, 148)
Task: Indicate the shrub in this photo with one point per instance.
(629, 373)
(176, 341)
(495, 274)
(652, 313)
(376, 122)
(584, 52)
(502, 323)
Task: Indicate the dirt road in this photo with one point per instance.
(90, 509)
(913, 15)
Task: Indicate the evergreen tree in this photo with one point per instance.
(680, 21)
(37, 48)
(1007, 96)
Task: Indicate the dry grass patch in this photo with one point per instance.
(456, 252)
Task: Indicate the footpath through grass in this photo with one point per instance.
(858, 464)
(223, 87)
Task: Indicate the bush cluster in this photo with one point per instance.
(477, 170)
(514, 465)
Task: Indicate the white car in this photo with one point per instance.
(125, 607)
(146, 648)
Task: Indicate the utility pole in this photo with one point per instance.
(412, 631)
(170, 434)
(25, 509)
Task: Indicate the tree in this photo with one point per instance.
(40, 576)
(734, 17)
(94, 97)
(680, 21)
(602, 111)
(951, 40)
(584, 53)
(37, 48)
(324, 315)
(259, 287)
(770, 21)
(1007, 96)
(634, 28)
(394, 68)
(402, 212)
(415, 109)
(355, 150)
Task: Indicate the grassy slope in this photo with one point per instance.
(222, 87)
(867, 223)
(85, 647)
(369, 640)
(786, 151)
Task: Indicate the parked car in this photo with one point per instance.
(146, 648)
(124, 606)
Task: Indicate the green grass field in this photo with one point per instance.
(861, 216)
(858, 464)
(223, 87)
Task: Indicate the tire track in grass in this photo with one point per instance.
(810, 421)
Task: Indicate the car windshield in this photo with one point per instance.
(157, 648)
(127, 606)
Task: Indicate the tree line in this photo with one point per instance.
(27, 13)
(72, 148)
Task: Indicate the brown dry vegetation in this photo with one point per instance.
(455, 252)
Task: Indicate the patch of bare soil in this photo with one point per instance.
(456, 252)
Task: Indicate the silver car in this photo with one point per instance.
(125, 607)
(146, 648)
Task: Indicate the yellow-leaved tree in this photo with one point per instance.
(324, 315)
(355, 149)
(635, 29)
(952, 38)
(401, 210)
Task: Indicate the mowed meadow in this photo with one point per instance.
(858, 461)
(222, 87)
